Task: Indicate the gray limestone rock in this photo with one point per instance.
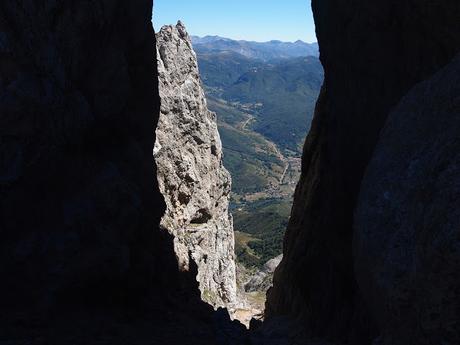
(196, 186)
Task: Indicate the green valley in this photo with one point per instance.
(264, 109)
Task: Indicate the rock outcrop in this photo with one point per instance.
(373, 53)
(262, 280)
(196, 186)
(407, 223)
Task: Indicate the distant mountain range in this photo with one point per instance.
(264, 51)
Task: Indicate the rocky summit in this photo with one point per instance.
(196, 186)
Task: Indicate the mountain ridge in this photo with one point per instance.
(212, 38)
(263, 51)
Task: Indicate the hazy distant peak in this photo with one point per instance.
(208, 39)
(214, 38)
(265, 51)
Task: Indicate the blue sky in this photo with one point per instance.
(257, 20)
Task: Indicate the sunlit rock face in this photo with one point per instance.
(373, 53)
(191, 176)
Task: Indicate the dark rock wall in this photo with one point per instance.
(372, 53)
(82, 258)
(407, 222)
(79, 201)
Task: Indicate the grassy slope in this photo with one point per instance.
(266, 221)
(248, 156)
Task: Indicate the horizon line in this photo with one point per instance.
(249, 40)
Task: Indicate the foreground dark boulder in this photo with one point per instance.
(407, 223)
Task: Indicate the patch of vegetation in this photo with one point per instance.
(250, 160)
(247, 259)
(209, 296)
(243, 252)
(270, 247)
(225, 113)
(258, 216)
(264, 221)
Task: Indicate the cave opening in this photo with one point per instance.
(254, 89)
